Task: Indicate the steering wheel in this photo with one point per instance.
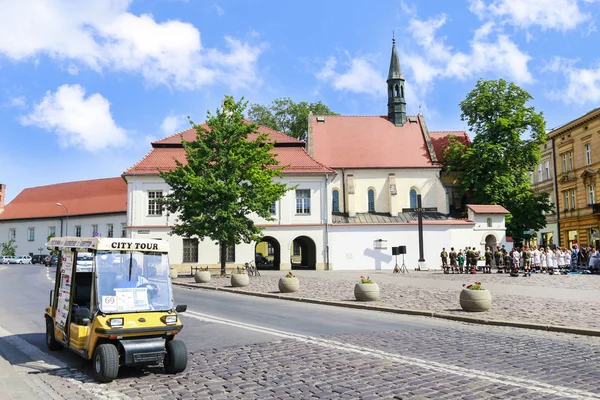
(153, 288)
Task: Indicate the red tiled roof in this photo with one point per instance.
(369, 142)
(488, 209)
(190, 135)
(98, 196)
(296, 159)
(440, 140)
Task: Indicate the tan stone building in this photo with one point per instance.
(543, 179)
(577, 149)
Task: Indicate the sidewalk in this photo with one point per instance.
(12, 384)
(558, 300)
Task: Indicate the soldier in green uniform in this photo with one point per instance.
(527, 261)
(507, 260)
(461, 261)
(453, 265)
(498, 258)
(487, 269)
(444, 256)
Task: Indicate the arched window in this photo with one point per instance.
(371, 200)
(396, 92)
(489, 222)
(413, 198)
(335, 201)
(402, 91)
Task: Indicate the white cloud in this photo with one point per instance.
(72, 69)
(583, 84)
(18, 101)
(79, 121)
(561, 15)
(219, 10)
(360, 76)
(104, 35)
(489, 52)
(174, 123)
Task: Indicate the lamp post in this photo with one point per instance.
(67, 223)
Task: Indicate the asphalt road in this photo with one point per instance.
(251, 347)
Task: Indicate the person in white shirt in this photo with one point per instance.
(567, 257)
(536, 259)
(543, 260)
(560, 259)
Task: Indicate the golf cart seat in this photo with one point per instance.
(82, 298)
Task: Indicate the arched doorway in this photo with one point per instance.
(490, 241)
(304, 253)
(267, 254)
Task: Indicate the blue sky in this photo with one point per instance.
(85, 86)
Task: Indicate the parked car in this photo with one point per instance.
(51, 261)
(38, 258)
(21, 260)
(84, 262)
(5, 259)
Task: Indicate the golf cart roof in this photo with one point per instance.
(109, 244)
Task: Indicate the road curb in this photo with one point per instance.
(425, 313)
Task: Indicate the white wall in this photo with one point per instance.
(42, 229)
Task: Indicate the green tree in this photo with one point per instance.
(9, 249)
(286, 116)
(495, 168)
(227, 177)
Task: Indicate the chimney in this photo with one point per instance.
(2, 195)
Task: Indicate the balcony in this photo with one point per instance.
(596, 208)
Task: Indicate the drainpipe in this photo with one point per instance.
(556, 195)
(344, 188)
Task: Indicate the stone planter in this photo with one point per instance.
(366, 291)
(174, 274)
(240, 280)
(289, 285)
(202, 276)
(475, 300)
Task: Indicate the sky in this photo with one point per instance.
(86, 86)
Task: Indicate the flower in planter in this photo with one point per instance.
(473, 286)
(290, 275)
(239, 270)
(203, 269)
(365, 279)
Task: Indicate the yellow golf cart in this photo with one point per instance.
(117, 309)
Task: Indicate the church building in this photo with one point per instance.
(357, 181)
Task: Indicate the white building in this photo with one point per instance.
(86, 207)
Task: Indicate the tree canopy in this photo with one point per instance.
(286, 116)
(227, 177)
(495, 167)
(9, 248)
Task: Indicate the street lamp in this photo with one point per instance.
(67, 223)
(40, 249)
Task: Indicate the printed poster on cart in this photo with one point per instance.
(64, 291)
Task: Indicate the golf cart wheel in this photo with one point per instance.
(51, 342)
(106, 362)
(176, 357)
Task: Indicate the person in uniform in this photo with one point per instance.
(526, 261)
(498, 259)
(488, 261)
(453, 265)
(461, 261)
(444, 256)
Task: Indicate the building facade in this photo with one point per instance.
(84, 208)
(577, 149)
(543, 179)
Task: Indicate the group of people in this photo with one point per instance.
(540, 259)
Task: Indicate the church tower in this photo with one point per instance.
(395, 84)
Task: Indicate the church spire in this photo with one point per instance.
(395, 83)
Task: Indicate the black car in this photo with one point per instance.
(38, 258)
(51, 260)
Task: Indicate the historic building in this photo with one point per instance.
(83, 208)
(543, 179)
(577, 151)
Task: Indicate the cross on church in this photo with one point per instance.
(419, 209)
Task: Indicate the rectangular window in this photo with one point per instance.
(110, 230)
(539, 173)
(123, 230)
(153, 207)
(12, 234)
(573, 202)
(31, 234)
(95, 230)
(297, 249)
(51, 231)
(190, 250)
(564, 157)
(302, 201)
(78, 230)
(566, 200)
(230, 257)
(588, 154)
(591, 194)
(270, 249)
(570, 160)
(547, 170)
(274, 208)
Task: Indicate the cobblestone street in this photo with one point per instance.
(568, 300)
